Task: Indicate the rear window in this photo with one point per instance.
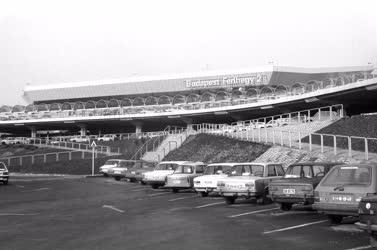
(111, 162)
(252, 170)
(166, 167)
(348, 176)
(184, 169)
(217, 169)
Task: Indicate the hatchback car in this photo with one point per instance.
(183, 176)
(157, 177)
(340, 191)
(4, 173)
(213, 173)
(298, 183)
(249, 180)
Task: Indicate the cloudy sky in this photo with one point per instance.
(47, 42)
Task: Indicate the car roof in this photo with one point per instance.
(312, 163)
(173, 162)
(223, 164)
(264, 163)
(193, 163)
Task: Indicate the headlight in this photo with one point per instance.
(249, 185)
(221, 184)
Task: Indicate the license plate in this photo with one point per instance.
(235, 186)
(289, 191)
(133, 172)
(341, 198)
(208, 182)
(176, 181)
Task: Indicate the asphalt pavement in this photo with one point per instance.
(63, 212)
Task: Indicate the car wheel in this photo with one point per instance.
(105, 175)
(204, 194)
(117, 178)
(132, 180)
(154, 186)
(285, 206)
(373, 240)
(335, 219)
(230, 200)
(142, 183)
(175, 190)
(5, 182)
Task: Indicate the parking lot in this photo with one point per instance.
(100, 213)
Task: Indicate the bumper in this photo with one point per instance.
(338, 209)
(366, 226)
(245, 194)
(205, 189)
(292, 199)
(179, 186)
(4, 178)
(150, 182)
(117, 175)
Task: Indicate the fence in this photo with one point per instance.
(23, 160)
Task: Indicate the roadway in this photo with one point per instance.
(58, 212)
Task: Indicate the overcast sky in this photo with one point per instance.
(47, 42)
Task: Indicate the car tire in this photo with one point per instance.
(142, 183)
(335, 219)
(285, 206)
(204, 194)
(373, 240)
(105, 175)
(5, 182)
(117, 178)
(155, 186)
(230, 200)
(175, 190)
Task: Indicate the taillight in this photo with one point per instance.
(273, 188)
(221, 184)
(316, 196)
(307, 189)
(249, 185)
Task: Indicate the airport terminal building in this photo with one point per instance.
(152, 103)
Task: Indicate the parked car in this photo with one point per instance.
(4, 173)
(249, 180)
(111, 163)
(340, 191)
(368, 217)
(298, 183)
(10, 141)
(106, 138)
(156, 178)
(136, 173)
(79, 139)
(213, 173)
(183, 176)
(123, 167)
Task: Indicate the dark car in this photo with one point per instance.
(4, 174)
(121, 169)
(340, 191)
(298, 183)
(368, 217)
(136, 173)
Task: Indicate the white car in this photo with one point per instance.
(79, 139)
(10, 141)
(214, 173)
(106, 138)
(157, 177)
(109, 164)
(249, 180)
(4, 173)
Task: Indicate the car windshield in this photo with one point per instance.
(166, 166)
(217, 169)
(348, 176)
(126, 164)
(300, 171)
(185, 169)
(111, 162)
(251, 170)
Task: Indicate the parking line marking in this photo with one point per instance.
(156, 194)
(36, 190)
(182, 198)
(113, 208)
(12, 214)
(294, 227)
(210, 204)
(139, 189)
(360, 248)
(20, 186)
(253, 212)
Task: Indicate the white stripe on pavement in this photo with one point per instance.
(360, 248)
(139, 189)
(113, 208)
(156, 194)
(253, 212)
(182, 198)
(210, 204)
(294, 227)
(35, 190)
(12, 214)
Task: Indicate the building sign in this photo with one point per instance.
(255, 79)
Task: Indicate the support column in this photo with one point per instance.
(83, 129)
(138, 126)
(33, 133)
